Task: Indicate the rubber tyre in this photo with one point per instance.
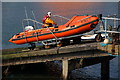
(98, 38)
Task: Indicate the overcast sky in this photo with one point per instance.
(59, 0)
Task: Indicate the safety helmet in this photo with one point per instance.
(49, 13)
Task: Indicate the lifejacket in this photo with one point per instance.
(47, 21)
(44, 18)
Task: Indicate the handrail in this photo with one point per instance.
(61, 17)
(35, 26)
(111, 18)
(81, 19)
(41, 24)
(34, 21)
(24, 32)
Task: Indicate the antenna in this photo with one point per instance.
(26, 15)
(35, 25)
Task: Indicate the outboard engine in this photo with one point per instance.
(28, 28)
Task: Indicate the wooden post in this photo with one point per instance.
(65, 69)
(105, 70)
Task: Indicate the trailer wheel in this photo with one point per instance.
(47, 46)
(32, 46)
(98, 38)
(60, 44)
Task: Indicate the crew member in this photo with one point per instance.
(47, 21)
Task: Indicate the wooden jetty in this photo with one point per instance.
(66, 54)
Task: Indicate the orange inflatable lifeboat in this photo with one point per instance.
(76, 25)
